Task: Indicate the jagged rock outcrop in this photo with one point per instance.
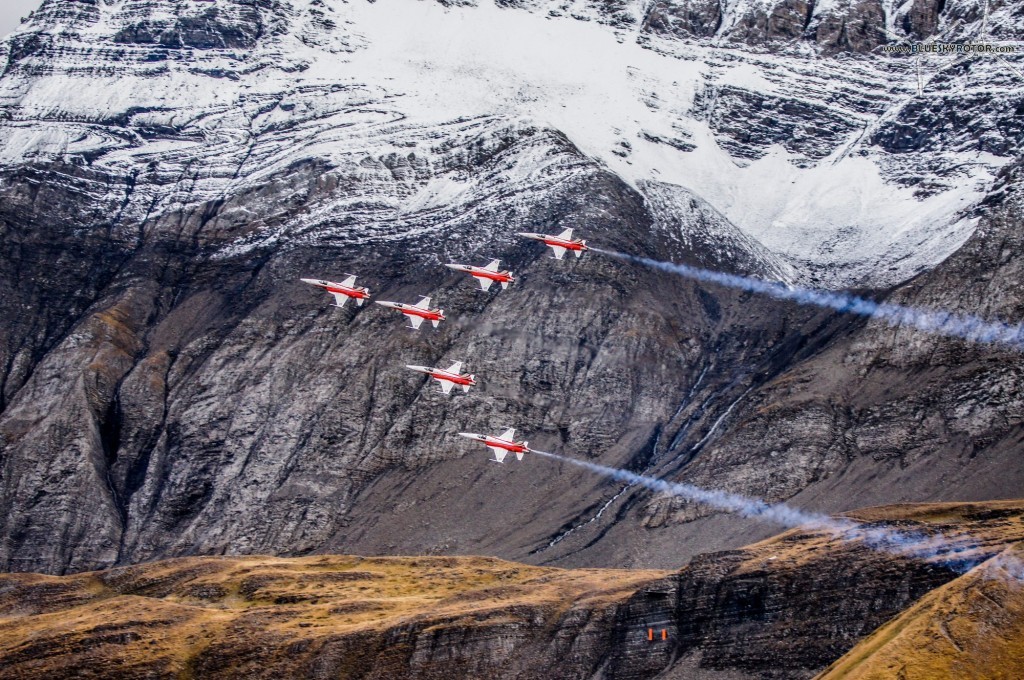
(922, 18)
(749, 124)
(860, 29)
(698, 19)
(782, 21)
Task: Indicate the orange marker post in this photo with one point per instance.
(650, 634)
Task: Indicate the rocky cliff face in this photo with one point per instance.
(890, 396)
(168, 387)
(222, 408)
(859, 27)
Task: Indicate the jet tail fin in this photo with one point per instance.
(504, 285)
(465, 388)
(519, 455)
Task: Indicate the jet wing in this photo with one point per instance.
(424, 303)
(415, 320)
(349, 282)
(455, 368)
(446, 385)
(499, 454)
(484, 283)
(567, 235)
(493, 266)
(559, 252)
(508, 434)
(339, 299)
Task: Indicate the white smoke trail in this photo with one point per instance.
(965, 327)
(948, 551)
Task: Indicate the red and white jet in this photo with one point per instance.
(449, 377)
(486, 275)
(560, 243)
(502, 445)
(417, 312)
(343, 291)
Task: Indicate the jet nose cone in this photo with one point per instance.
(469, 435)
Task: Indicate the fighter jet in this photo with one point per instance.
(448, 377)
(343, 291)
(417, 312)
(560, 243)
(485, 275)
(501, 445)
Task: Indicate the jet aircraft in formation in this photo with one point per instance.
(343, 291)
(453, 376)
(418, 312)
(560, 243)
(502, 445)
(487, 274)
(448, 377)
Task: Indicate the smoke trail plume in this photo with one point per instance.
(964, 327)
(948, 551)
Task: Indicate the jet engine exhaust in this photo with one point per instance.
(945, 550)
(965, 327)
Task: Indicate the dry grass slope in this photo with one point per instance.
(972, 627)
(450, 617)
(270, 617)
(976, 530)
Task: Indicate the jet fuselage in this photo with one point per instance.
(355, 292)
(438, 374)
(413, 310)
(482, 273)
(576, 244)
(497, 442)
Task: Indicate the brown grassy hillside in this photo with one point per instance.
(972, 627)
(783, 608)
(326, 615)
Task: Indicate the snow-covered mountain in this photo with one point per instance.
(857, 170)
(169, 169)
